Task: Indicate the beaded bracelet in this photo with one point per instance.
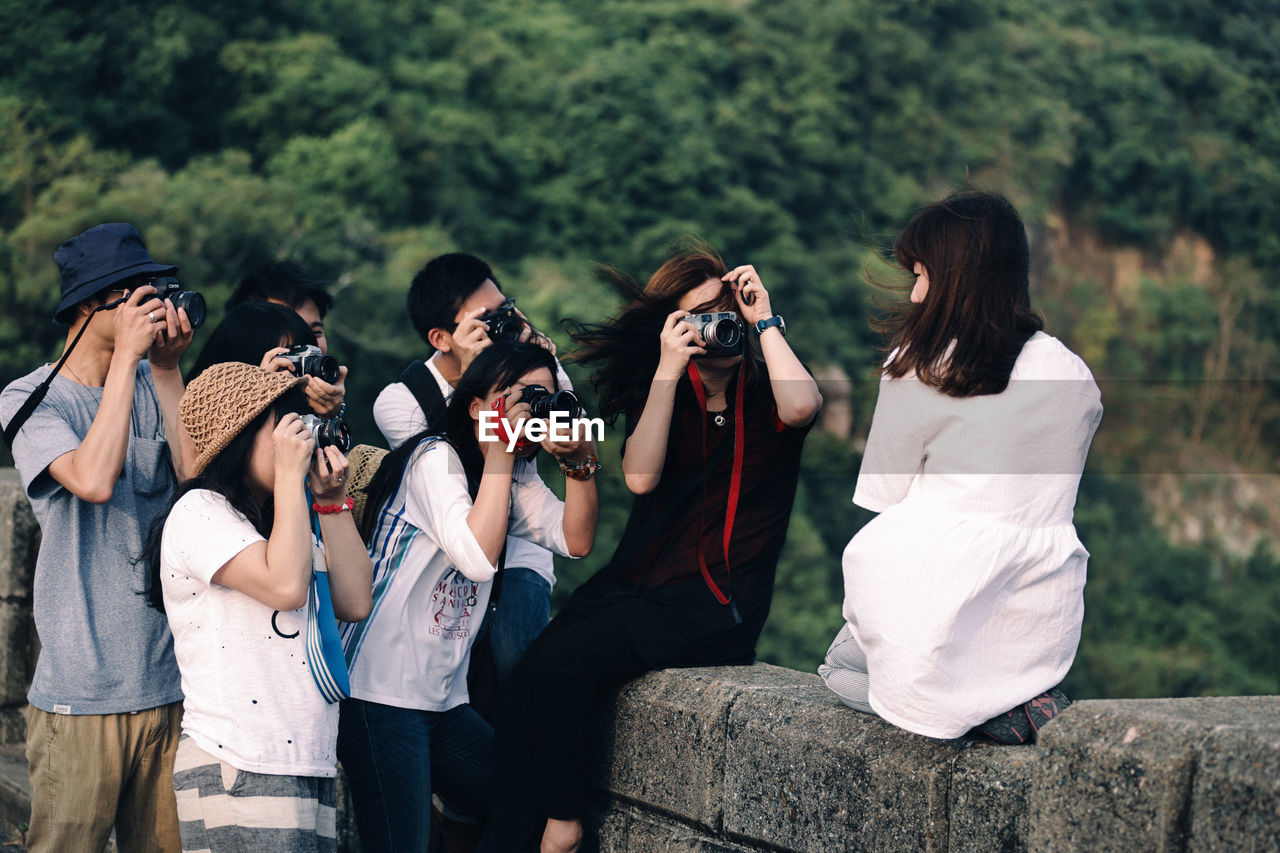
(584, 470)
(334, 509)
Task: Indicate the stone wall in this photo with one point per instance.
(734, 759)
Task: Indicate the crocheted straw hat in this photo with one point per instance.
(223, 399)
(365, 460)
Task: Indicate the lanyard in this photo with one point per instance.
(735, 480)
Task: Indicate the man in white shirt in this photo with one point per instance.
(448, 302)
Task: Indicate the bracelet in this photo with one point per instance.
(334, 509)
(584, 470)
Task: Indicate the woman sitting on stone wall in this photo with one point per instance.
(964, 596)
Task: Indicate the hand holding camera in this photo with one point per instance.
(678, 342)
(292, 446)
(326, 379)
(329, 473)
(753, 299)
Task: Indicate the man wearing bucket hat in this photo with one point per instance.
(105, 701)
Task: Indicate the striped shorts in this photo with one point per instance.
(222, 809)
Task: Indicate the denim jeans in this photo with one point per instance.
(395, 757)
(524, 608)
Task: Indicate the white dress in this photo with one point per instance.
(966, 592)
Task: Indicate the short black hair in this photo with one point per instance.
(284, 282)
(440, 288)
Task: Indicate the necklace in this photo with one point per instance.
(718, 417)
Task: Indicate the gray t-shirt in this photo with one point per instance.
(103, 650)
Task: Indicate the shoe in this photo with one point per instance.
(1044, 708)
(1012, 727)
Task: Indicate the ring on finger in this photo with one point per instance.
(152, 316)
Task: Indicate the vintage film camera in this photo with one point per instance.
(308, 360)
(722, 332)
(543, 402)
(329, 431)
(505, 325)
(168, 287)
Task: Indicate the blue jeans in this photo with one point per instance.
(395, 757)
(524, 608)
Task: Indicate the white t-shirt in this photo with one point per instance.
(399, 417)
(966, 592)
(431, 581)
(249, 696)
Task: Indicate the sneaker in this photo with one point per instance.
(1044, 708)
(1012, 727)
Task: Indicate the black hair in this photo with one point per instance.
(440, 288)
(497, 366)
(284, 282)
(248, 331)
(224, 475)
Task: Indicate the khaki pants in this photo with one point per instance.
(92, 772)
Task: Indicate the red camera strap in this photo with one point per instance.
(735, 479)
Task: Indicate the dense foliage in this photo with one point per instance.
(361, 137)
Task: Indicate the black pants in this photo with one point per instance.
(549, 710)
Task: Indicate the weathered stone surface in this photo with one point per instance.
(667, 744)
(990, 786)
(629, 829)
(803, 772)
(19, 538)
(1235, 800)
(1117, 774)
(15, 636)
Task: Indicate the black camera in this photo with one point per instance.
(308, 360)
(168, 287)
(329, 431)
(722, 332)
(543, 402)
(505, 325)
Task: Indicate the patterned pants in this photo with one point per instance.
(845, 671)
(222, 809)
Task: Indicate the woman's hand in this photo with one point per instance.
(678, 342)
(292, 444)
(747, 288)
(273, 361)
(329, 473)
(573, 451)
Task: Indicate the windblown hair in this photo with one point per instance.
(248, 331)
(225, 475)
(625, 349)
(497, 366)
(965, 336)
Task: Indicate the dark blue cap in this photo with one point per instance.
(91, 262)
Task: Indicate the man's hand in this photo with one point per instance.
(173, 338)
(470, 337)
(326, 399)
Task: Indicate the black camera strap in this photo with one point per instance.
(417, 377)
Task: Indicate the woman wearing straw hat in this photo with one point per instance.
(231, 564)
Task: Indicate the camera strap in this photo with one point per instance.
(421, 383)
(735, 479)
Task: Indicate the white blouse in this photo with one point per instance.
(966, 592)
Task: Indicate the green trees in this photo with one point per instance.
(361, 137)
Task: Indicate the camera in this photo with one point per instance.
(505, 325)
(328, 431)
(168, 287)
(308, 360)
(722, 332)
(543, 402)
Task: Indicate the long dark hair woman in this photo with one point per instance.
(438, 513)
(712, 452)
(963, 597)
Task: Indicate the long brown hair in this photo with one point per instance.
(966, 334)
(625, 348)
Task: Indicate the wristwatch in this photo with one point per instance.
(770, 322)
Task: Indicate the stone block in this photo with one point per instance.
(805, 773)
(665, 746)
(1235, 799)
(629, 829)
(19, 538)
(988, 800)
(1117, 774)
(15, 652)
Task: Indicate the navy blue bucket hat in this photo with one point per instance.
(91, 262)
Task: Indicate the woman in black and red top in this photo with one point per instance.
(713, 452)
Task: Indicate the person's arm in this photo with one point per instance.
(90, 471)
(581, 499)
(397, 414)
(794, 391)
(165, 352)
(350, 571)
(896, 445)
(278, 572)
(646, 448)
(492, 508)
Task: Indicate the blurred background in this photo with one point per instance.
(1139, 138)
